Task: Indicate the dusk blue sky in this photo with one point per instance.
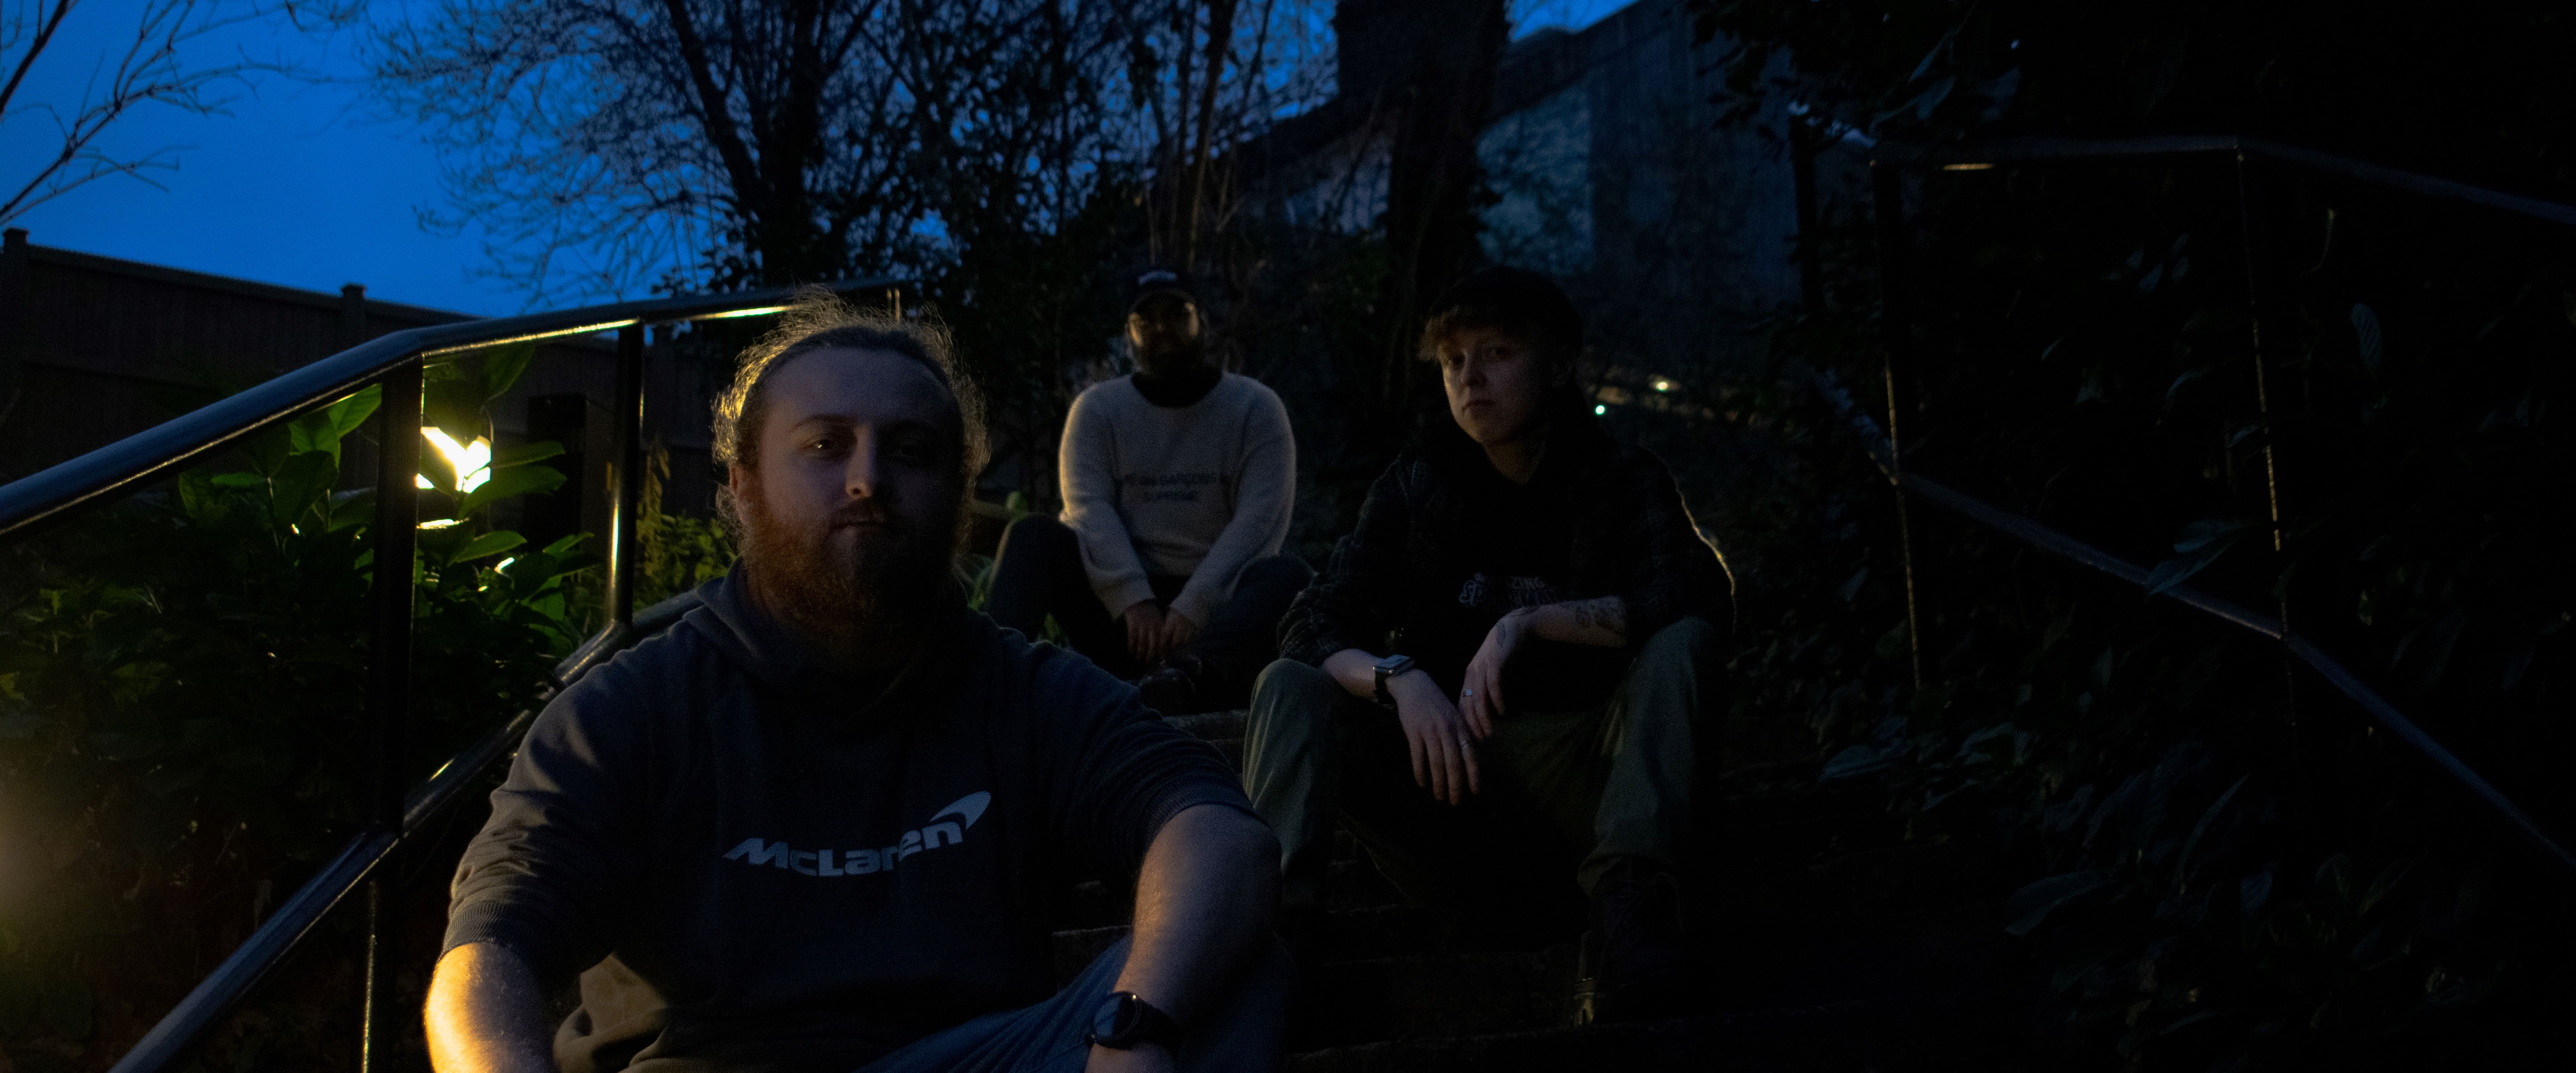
(303, 183)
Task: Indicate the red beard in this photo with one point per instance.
(842, 590)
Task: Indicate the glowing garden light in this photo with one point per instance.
(472, 462)
(1599, 410)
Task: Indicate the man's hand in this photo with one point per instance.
(1480, 697)
(1145, 631)
(1443, 758)
(1178, 631)
(1143, 1058)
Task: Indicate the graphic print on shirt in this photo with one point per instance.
(947, 827)
(1168, 487)
(1486, 592)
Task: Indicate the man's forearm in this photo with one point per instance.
(1203, 900)
(487, 1014)
(1602, 622)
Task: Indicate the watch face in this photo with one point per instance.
(1116, 1018)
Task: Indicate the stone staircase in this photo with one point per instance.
(1829, 945)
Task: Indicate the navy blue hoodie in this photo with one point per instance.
(760, 868)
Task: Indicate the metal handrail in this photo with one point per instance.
(395, 361)
(146, 456)
(1888, 157)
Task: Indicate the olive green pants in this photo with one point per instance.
(1561, 790)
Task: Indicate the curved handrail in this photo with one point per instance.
(1966, 156)
(56, 493)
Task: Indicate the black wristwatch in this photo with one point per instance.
(1126, 1021)
(1389, 668)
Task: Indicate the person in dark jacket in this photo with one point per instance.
(1510, 666)
(820, 824)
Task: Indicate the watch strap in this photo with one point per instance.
(1388, 668)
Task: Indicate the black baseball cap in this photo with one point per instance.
(1159, 281)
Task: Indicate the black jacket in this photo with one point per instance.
(1402, 568)
(781, 874)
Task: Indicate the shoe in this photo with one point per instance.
(1638, 965)
(1171, 688)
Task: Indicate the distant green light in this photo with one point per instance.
(1600, 410)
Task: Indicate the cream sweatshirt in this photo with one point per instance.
(1197, 490)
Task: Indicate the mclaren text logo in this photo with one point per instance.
(947, 827)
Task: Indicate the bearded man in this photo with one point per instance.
(820, 823)
(1178, 484)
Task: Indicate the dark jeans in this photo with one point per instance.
(1038, 572)
(1563, 792)
(1240, 1033)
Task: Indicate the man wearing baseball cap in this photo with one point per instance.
(1178, 482)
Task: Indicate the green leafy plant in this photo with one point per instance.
(182, 712)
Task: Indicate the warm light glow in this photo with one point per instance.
(1968, 167)
(441, 523)
(760, 312)
(504, 564)
(487, 344)
(1663, 385)
(419, 481)
(472, 462)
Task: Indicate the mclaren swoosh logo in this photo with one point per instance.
(947, 827)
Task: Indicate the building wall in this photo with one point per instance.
(95, 349)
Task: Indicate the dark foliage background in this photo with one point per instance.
(2226, 865)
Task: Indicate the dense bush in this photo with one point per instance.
(2223, 864)
(182, 723)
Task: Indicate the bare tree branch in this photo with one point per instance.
(155, 67)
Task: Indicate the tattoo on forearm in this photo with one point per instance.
(1608, 613)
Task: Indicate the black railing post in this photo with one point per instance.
(2258, 298)
(1893, 254)
(625, 474)
(389, 681)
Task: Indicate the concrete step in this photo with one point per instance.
(1922, 1032)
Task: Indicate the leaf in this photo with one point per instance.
(525, 453)
(1932, 97)
(237, 480)
(2367, 334)
(565, 544)
(502, 367)
(2254, 891)
(2334, 874)
(1850, 588)
(1939, 48)
(352, 508)
(517, 481)
(2173, 572)
(492, 543)
(435, 466)
(2175, 390)
(300, 485)
(2183, 864)
(2387, 884)
(1855, 761)
(2030, 906)
(350, 413)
